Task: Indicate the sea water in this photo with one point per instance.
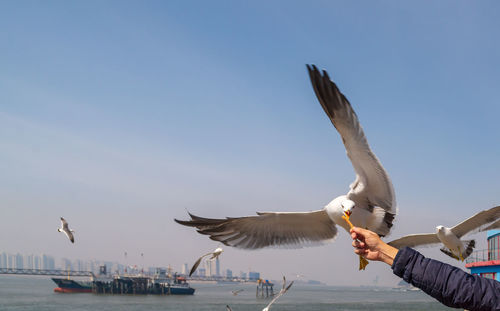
(36, 293)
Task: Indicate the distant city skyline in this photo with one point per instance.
(48, 262)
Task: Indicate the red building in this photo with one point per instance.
(486, 263)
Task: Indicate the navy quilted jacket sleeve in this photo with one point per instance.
(448, 284)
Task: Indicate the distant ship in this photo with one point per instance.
(158, 284)
(71, 286)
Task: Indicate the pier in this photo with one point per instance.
(264, 287)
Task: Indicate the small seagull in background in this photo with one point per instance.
(228, 308)
(215, 254)
(450, 237)
(281, 293)
(64, 228)
(236, 292)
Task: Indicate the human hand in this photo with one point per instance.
(369, 245)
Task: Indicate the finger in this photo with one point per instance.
(359, 230)
(360, 233)
(358, 244)
(360, 251)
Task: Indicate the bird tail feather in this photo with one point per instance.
(470, 244)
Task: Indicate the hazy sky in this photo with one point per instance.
(122, 115)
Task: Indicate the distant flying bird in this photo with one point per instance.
(370, 202)
(228, 308)
(64, 228)
(450, 237)
(236, 292)
(281, 293)
(215, 254)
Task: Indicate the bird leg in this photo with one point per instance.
(460, 254)
(362, 261)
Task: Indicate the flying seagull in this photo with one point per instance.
(450, 237)
(236, 292)
(281, 293)
(370, 202)
(228, 308)
(64, 228)
(216, 253)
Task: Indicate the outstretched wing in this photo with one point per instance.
(477, 222)
(413, 240)
(495, 225)
(69, 234)
(64, 223)
(283, 290)
(197, 263)
(195, 266)
(267, 229)
(372, 184)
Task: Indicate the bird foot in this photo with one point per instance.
(363, 263)
(460, 255)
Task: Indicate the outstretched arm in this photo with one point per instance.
(448, 284)
(369, 245)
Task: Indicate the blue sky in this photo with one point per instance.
(120, 115)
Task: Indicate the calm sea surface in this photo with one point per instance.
(36, 293)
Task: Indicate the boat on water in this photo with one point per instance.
(72, 286)
(158, 284)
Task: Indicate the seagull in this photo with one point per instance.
(370, 202)
(236, 292)
(228, 308)
(215, 254)
(64, 228)
(450, 237)
(281, 293)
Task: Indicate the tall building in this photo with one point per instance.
(217, 267)
(486, 263)
(3, 260)
(184, 269)
(229, 274)
(19, 261)
(66, 264)
(10, 261)
(253, 275)
(208, 268)
(48, 262)
(202, 272)
(37, 262)
(28, 262)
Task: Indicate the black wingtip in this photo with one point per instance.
(326, 76)
(313, 68)
(183, 222)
